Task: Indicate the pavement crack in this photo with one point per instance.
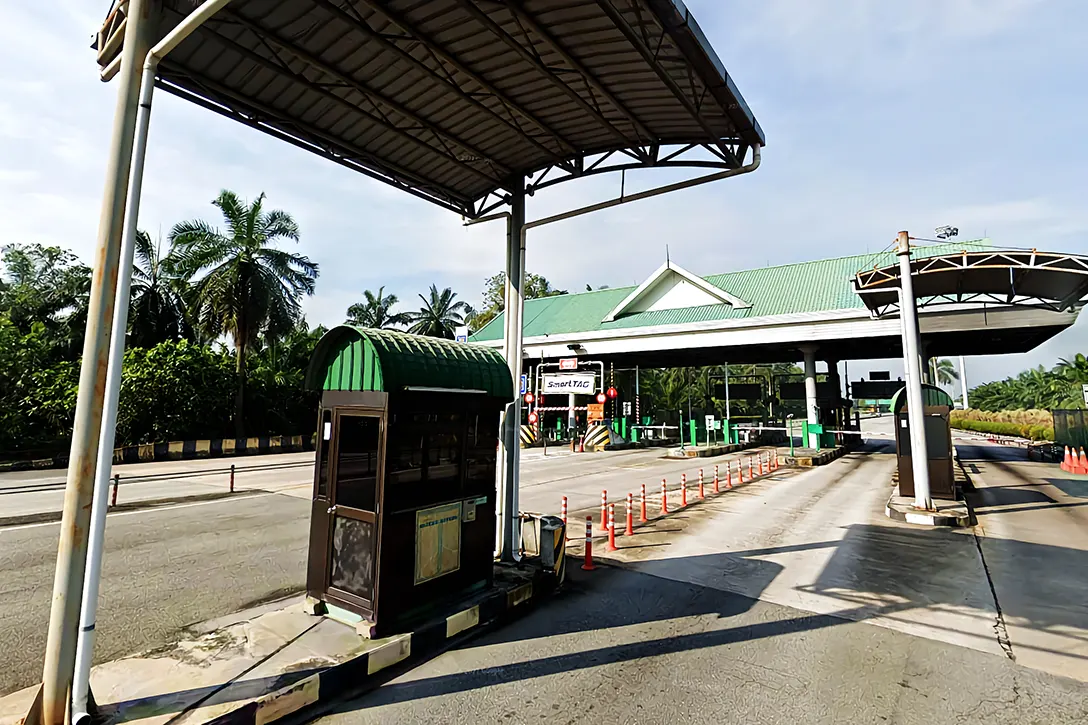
(1001, 632)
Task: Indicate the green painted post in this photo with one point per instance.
(623, 428)
(789, 424)
(691, 433)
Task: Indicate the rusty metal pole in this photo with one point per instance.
(60, 648)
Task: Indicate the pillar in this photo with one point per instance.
(836, 384)
(963, 383)
(812, 406)
(912, 362)
(510, 451)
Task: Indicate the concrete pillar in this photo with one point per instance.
(963, 382)
(509, 525)
(912, 360)
(836, 384)
(812, 407)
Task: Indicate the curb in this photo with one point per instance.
(820, 459)
(360, 675)
(924, 518)
(183, 451)
(48, 517)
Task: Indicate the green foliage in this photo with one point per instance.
(1057, 388)
(1031, 432)
(43, 291)
(157, 311)
(494, 297)
(377, 311)
(440, 314)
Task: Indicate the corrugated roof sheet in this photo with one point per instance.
(360, 358)
(819, 286)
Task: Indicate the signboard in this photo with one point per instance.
(627, 407)
(710, 422)
(717, 425)
(568, 363)
(438, 541)
(1084, 391)
(595, 412)
(580, 383)
(524, 383)
(880, 375)
(460, 334)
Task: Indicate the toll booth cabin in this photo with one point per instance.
(403, 515)
(936, 407)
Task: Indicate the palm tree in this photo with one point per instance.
(440, 315)
(157, 312)
(945, 372)
(244, 285)
(377, 311)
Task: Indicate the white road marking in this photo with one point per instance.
(154, 509)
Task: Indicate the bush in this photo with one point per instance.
(1022, 430)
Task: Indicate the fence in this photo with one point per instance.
(1071, 427)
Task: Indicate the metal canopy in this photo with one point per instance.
(1048, 279)
(463, 102)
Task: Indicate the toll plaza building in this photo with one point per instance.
(787, 313)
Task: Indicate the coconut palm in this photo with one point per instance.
(157, 312)
(945, 371)
(440, 314)
(377, 311)
(242, 284)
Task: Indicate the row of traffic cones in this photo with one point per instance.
(608, 510)
(1074, 462)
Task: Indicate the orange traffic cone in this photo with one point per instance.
(1067, 463)
(1082, 463)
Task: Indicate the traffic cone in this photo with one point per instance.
(1083, 467)
(1067, 462)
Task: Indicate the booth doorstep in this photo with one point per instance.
(265, 663)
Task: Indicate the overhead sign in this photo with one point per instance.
(594, 412)
(710, 422)
(580, 383)
(568, 363)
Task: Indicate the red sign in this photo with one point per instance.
(600, 397)
(533, 417)
(528, 397)
(568, 363)
(594, 413)
(612, 393)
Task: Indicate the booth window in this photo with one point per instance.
(481, 453)
(324, 443)
(404, 450)
(445, 438)
(357, 461)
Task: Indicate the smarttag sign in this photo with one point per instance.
(578, 383)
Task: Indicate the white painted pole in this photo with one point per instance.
(909, 313)
(812, 405)
(963, 382)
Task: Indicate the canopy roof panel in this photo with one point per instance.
(1050, 279)
(362, 358)
(457, 100)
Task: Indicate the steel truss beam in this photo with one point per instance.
(882, 280)
(280, 68)
(275, 124)
(652, 58)
(436, 50)
(534, 60)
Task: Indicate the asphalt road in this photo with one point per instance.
(163, 569)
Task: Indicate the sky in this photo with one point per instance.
(879, 116)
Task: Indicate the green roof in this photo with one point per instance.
(931, 396)
(819, 286)
(360, 358)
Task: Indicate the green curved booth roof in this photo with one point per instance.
(931, 396)
(361, 358)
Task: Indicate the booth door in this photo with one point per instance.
(355, 496)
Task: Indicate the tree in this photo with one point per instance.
(46, 286)
(242, 284)
(494, 297)
(440, 314)
(377, 311)
(157, 311)
(946, 372)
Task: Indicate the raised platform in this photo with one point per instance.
(809, 457)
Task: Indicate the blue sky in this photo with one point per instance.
(879, 116)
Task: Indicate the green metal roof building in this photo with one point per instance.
(763, 315)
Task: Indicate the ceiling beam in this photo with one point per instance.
(375, 96)
(445, 56)
(526, 55)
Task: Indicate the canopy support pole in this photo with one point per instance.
(913, 363)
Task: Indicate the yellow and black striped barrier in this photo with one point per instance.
(597, 437)
(528, 436)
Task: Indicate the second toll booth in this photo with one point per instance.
(403, 517)
(936, 407)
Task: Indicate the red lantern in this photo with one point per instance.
(533, 417)
(600, 397)
(612, 393)
(528, 397)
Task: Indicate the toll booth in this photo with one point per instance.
(402, 523)
(937, 404)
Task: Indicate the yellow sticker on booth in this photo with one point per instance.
(438, 541)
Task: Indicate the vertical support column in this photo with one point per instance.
(836, 383)
(812, 406)
(571, 419)
(60, 648)
(909, 313)
(509, 530)
(963, 382)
